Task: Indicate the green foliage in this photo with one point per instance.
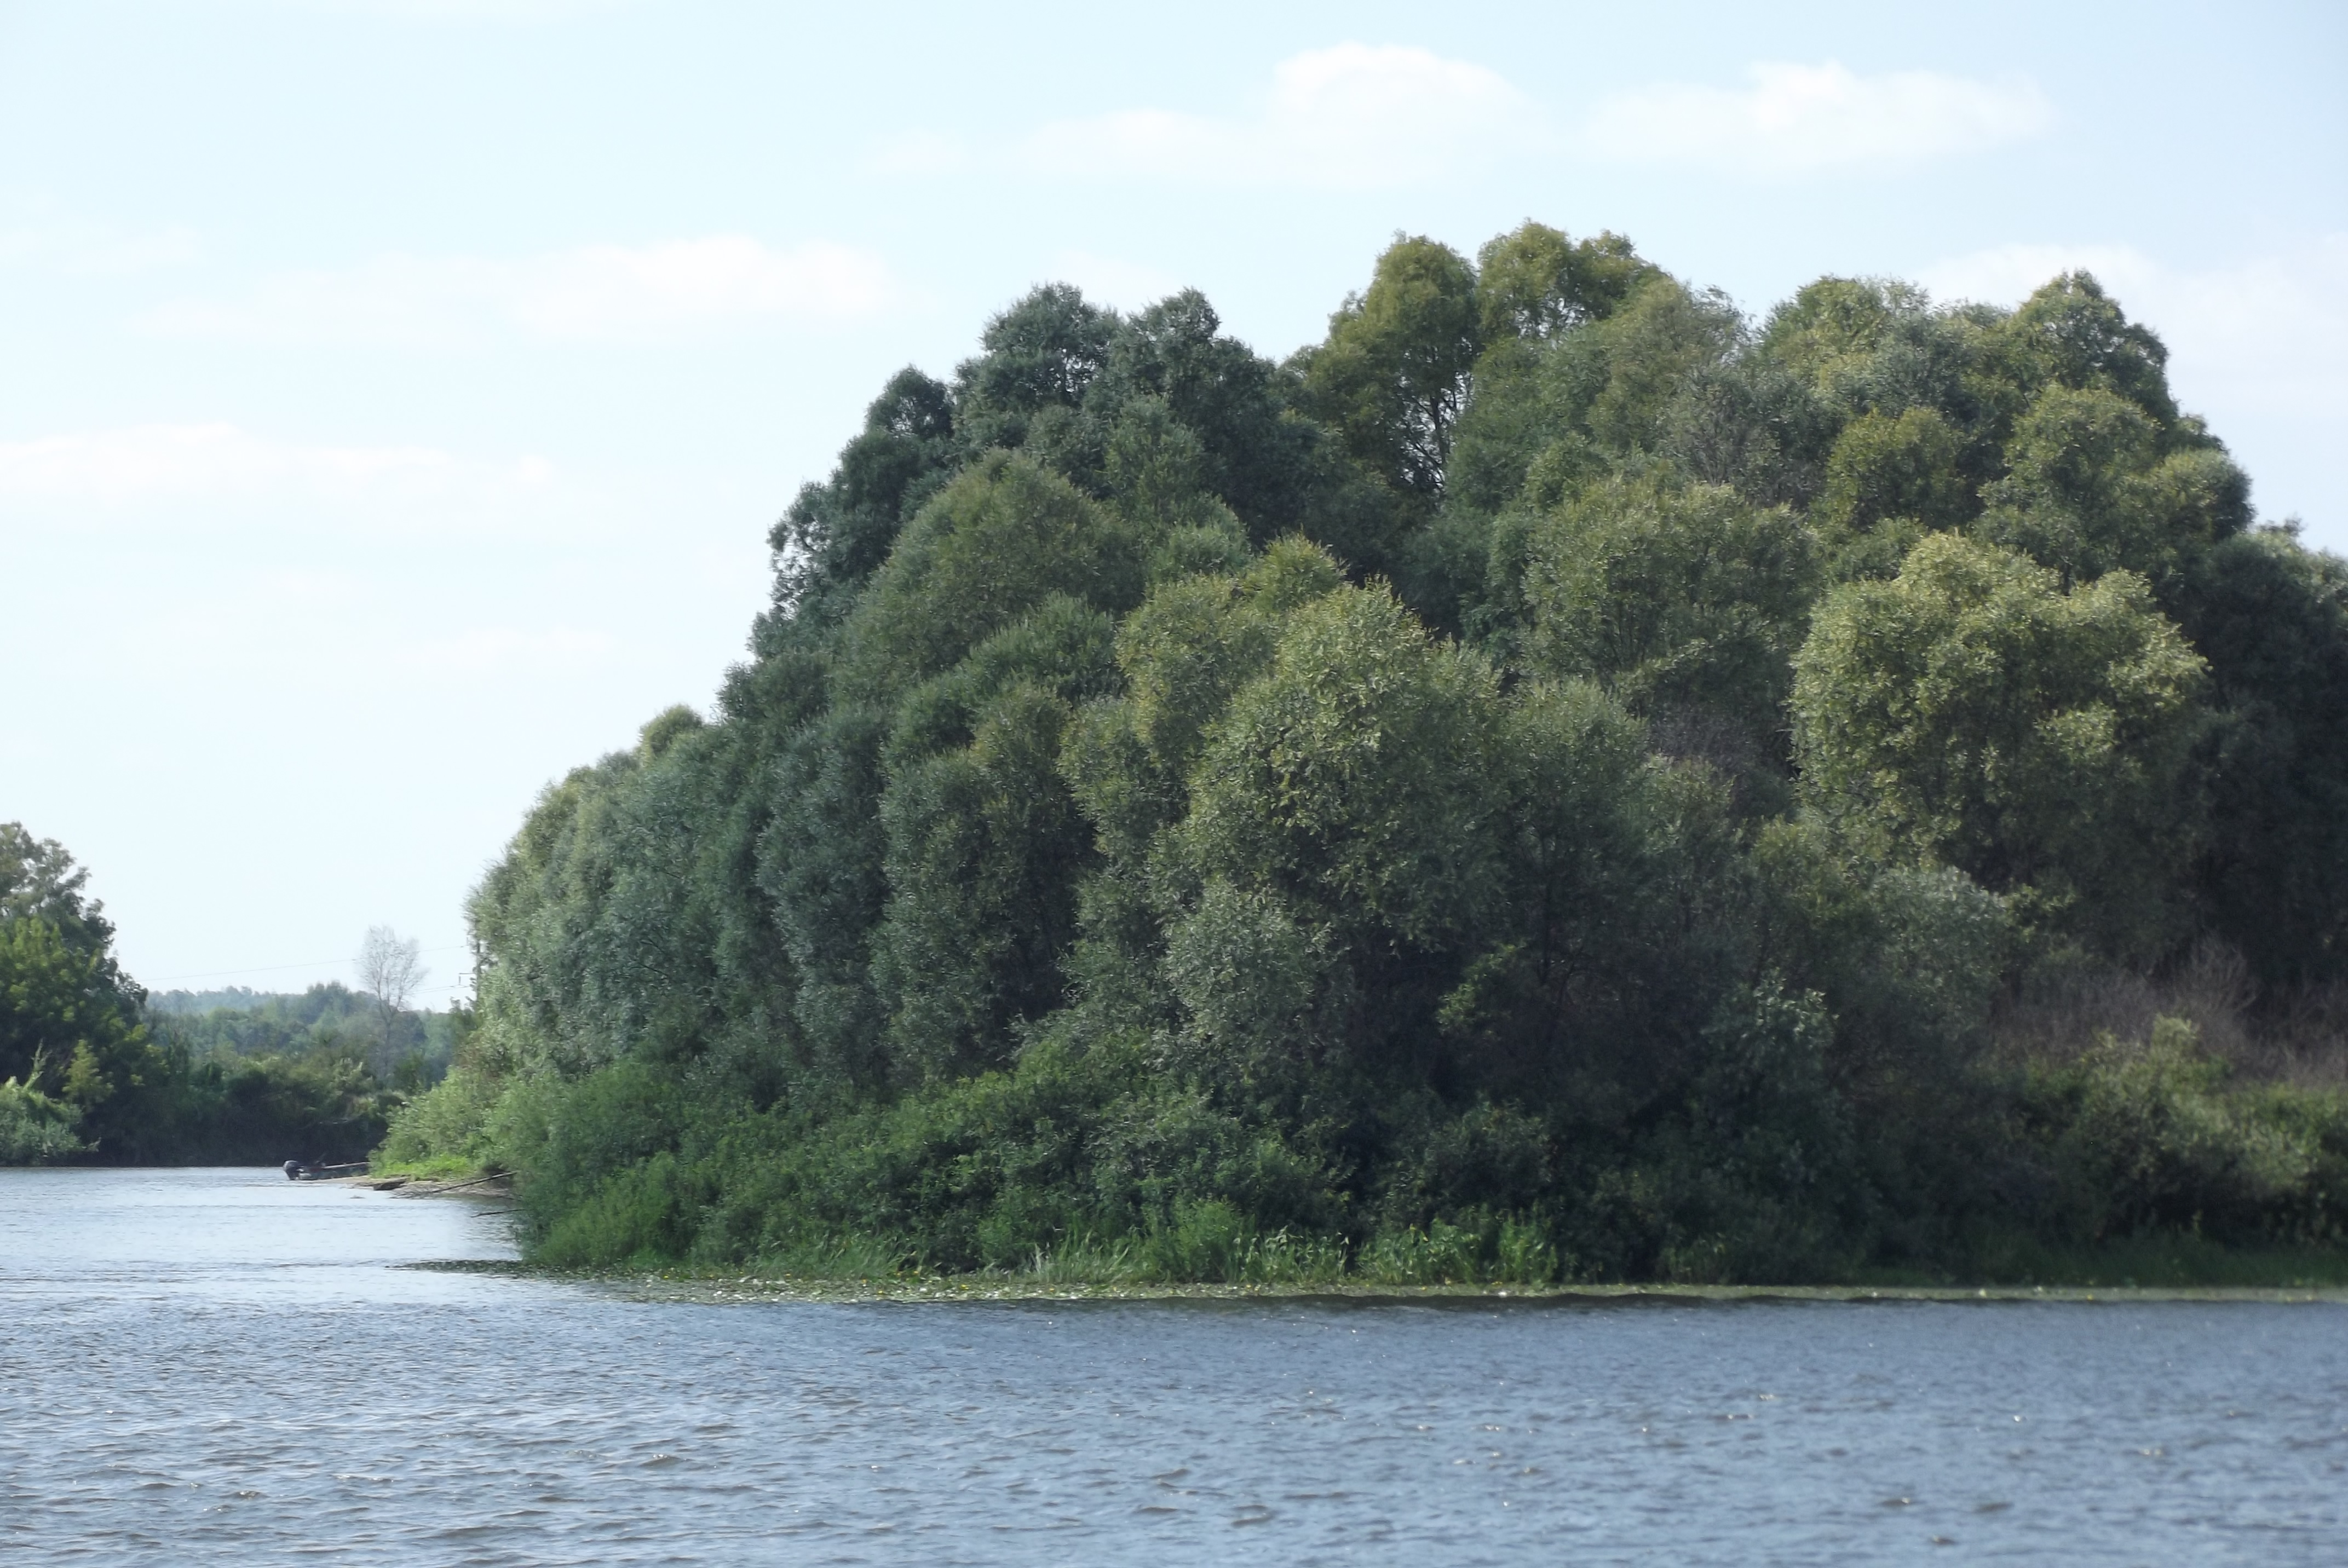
(1775, 1166)
(70, 1025)
(409, 1049)
(2147, 1137)
(263, 1110)
(2272, 620)
(1535, 283)
(1489, 1250)
(1972, 712)
(1607, 940)
(38, 881)
(1183, 655)
(1156, 469)
(1273, 470)
(1352, 775)
(1041, 357)
(96, 1068)
(2072, 335)
(446, 1129)
(2090, 491)
(835, 534)
(984, 843)
(1829, 330)
(1556, 781)
(996, 543)
(1908, 958)
(58, 1008)
(1890, 481)
(70, 1028)
(1613, 383)
(35, 1129)
(1685, 602)
(1392, 379)
(819, 865)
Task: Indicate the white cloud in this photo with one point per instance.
(75, 245)
(158, 471)
(2269, 334)
(650, 293)
(1351, 117)
(607, 290)
(1793, 117)
(147, 461)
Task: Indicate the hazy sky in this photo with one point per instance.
(394, 396)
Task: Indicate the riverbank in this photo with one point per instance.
(714, 1286)
(2011, 1269)
(497, 1184)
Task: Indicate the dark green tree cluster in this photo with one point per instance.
(89, 1070)
(1556, 780)
(74, 1053)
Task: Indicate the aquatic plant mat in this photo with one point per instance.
(680, 1285)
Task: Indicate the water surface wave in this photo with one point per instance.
(221, 1366)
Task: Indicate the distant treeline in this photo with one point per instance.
(1557, 780)
(405, 1049)
(94, 1069)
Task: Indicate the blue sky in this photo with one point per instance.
(394, 396)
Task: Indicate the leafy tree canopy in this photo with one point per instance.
(1556, 777)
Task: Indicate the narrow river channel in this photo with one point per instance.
(220, 1367)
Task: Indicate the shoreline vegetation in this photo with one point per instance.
(2164, 1268)
(2141, 1272)
(716, 1286)
(1557, 784)
(2140, 1269)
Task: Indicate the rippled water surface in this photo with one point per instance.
(222, 1367)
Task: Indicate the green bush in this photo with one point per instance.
(2146, 1136)
(446, 1129)
(1485, 1249)
(643, 1214)
(35, 1130)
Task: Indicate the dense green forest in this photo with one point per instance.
(1556, 781)
(94, 1069)
(407, 1050)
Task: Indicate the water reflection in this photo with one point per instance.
(225, 1369)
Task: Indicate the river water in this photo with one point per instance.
(205, 1366)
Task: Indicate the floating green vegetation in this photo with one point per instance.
(673, 1284)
